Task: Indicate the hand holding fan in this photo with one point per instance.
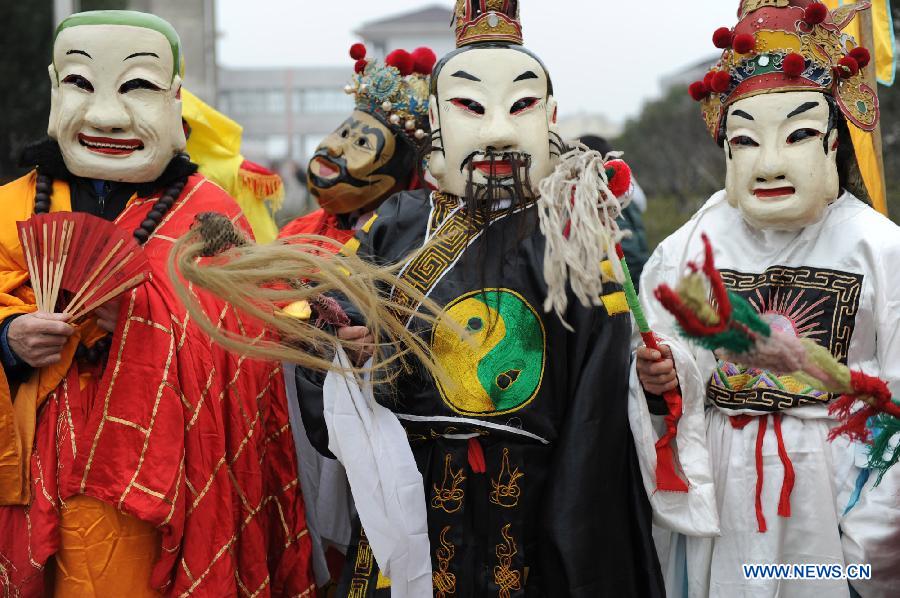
(90, 258)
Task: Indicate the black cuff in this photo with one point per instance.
(16, 370)
(656, 404)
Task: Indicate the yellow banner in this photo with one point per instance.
(882, 49)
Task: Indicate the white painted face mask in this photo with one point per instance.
(115, 107)
(781, 169)
(493, 104)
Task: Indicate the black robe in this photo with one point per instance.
(560, 509)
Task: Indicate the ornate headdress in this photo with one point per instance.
(479, 21)
(397, 90)
(789, 45)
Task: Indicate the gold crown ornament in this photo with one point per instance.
(789, 45)
(397, 90)
(482, 21)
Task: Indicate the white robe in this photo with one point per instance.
(851, 258)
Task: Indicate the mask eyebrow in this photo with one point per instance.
(136, 54)
(525, 76)
(742, 114)
(465, 75)
(802, 108)
(82, 52)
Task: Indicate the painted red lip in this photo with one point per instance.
(777, 192)
(325, 169)
(498, 168)
(110, 146)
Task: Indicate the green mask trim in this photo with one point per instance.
(129, 18)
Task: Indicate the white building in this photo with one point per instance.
(430, 26)
(286, 112)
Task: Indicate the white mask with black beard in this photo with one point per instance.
(493, 105)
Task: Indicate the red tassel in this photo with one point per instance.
(853, 425)
(744, 43)
(620, 181)
(760, 435)
(787, 486)
(666, 477)
(815, 13)
(861, 56)
(687, 319)
(357, 51)
(718, 286)
(476, 456)
(739, 422)
(698, 90)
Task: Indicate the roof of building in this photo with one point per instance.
(435, 17)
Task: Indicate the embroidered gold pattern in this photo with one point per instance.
(452, 232)
(449, 496)
(443, 580)
(506, 488)
(362, 568)
(750, 5)
(507, 578)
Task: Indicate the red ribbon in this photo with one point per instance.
(739, 422)
(476, 456)
(667, 478)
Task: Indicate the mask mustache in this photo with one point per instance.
(520, 160)
(344, 175)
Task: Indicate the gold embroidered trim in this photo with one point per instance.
(506, 488)
(507, 579)
(443, 580)
(449, 496)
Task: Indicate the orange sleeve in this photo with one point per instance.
(17, 417)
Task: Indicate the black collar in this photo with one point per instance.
(47, 158)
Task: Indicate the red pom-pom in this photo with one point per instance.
(357, 51)
(861, 56)
(360, 65)
(619, 176)
(698, 90)
(851, 67)
(401, 60)
(423, 60)
(815, 13)
(793, 65)
(744, 43)
(707, 79)
(722, 37)
(720, 81)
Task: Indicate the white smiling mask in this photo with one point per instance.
(781, 170)
(491, 99)
(115, 106)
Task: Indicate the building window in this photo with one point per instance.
(276, 147)
(276, 103)
(253, 101)
(322, 101)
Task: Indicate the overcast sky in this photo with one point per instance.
(604, 56)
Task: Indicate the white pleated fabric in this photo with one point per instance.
(386, 484)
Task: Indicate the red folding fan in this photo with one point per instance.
(79, 260)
